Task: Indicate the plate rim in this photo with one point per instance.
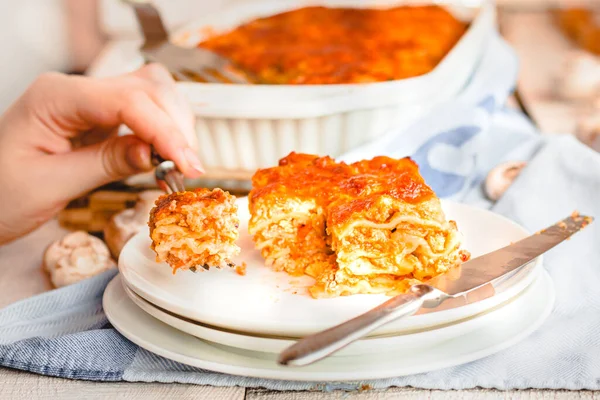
(286, 373)
(414, 340)
(417, 331)
(241, 202)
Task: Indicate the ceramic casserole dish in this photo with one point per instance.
(246, 127)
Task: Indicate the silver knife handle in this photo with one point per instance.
(319, 345)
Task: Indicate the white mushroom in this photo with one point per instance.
(75, 257)
(123, 225)
(579, 78)
(501, 177)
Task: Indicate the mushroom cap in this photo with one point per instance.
(501, 177)
(75, 257)
(123, 225)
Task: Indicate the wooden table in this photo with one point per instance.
(20, 274)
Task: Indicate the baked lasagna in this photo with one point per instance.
(582, 26)
(195, 229)
(327, 45)
(373, 226)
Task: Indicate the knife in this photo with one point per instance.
(468, 278)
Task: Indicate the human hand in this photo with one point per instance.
(59, 140)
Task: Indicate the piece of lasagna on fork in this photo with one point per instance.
(369, 227)
(194, 229)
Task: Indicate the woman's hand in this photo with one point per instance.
(59, 140)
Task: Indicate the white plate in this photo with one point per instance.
(273, 303)
(513, 323)
(272, 344)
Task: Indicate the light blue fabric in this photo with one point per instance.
(458, 143)
(64, 332)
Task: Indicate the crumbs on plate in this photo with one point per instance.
(241, 269)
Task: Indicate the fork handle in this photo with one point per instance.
(150, 21)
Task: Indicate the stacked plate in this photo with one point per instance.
(227, 322)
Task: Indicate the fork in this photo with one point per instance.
(168, 177)
(186, 64)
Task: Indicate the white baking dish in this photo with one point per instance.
(245, 127)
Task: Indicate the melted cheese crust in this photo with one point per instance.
(369, 227)
(322, 45)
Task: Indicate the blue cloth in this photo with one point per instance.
(65, 333)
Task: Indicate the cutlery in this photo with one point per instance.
(471, 276)
(186, 64)
(168, 177)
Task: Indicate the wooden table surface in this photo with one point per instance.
(20, 274)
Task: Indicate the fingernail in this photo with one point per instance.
(193, 160)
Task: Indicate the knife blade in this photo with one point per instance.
(472, 275)
(481, 270)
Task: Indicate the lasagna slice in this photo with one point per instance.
(195, 229)
(288, 227)
(383, 227)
